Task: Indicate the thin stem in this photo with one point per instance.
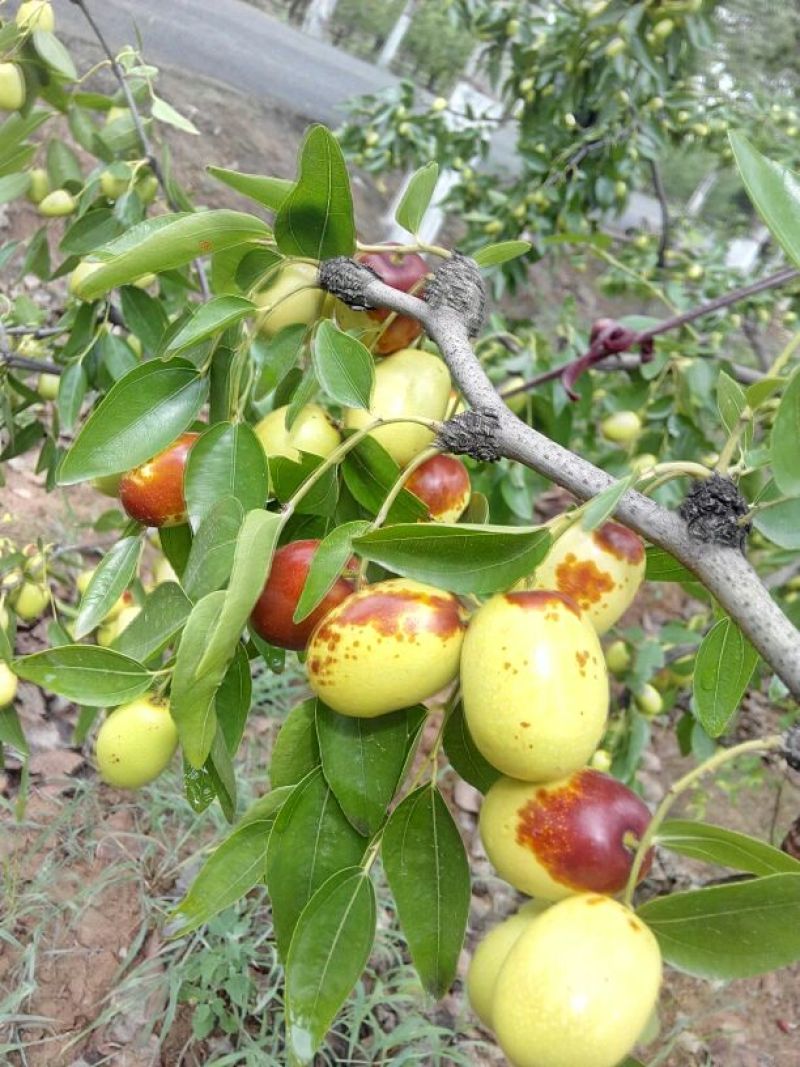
(661, 194)
(420, 246)
(22, 363)
(776, 741)
(730, 446)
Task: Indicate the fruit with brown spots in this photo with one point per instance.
(601, 569)
(572, 836)
(135, 744)
(534, 685)
(442, 484)
(153, 493)
(402, 271)
(578, 987)
(273, 616)
(386, 647)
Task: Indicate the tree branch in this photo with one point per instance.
(8, 359)
(723, 571)
(661, 194)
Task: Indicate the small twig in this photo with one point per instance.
(22, 363)
(661, 194)
(37, 332)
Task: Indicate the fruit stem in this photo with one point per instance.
(722, 756)
(433, 250)
(661, 473)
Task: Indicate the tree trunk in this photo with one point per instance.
(399, 30)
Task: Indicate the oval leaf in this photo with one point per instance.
(775, 192)
(724, 665)
(464, 757)
(296, 750)
(785, 441)
(502, 252)
(192, 693)
(211, 556)
(228, 460)
(269, 192)
(111, 578)
(163, 613)
(344, 366)
(417, 196)
(211, 318)
(726, 848)
(86, 674)
(327, 563)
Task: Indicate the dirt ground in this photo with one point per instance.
(83, 860)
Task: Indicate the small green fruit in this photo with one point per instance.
(12, 87)
(649, 701)
(58, 204)
(47, 386)
(40, 184)
(618, 657)
(622, 427)
(8, 685)
(35, 15)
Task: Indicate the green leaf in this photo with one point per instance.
(726, 848)
(775, 192)
(86, 674)
(228, 460)
(91, 230)
(344, 366)
(296, 750)
(502, 252)
(235, 866)
(111, 578)
(723, 667)
(731, 401)
(369, 473)
(780, 523)
(316, 218)
(211, 318)
(310, 841)
(211, 555)
(13, 186)
(329, 950)
(464, 757)
(255, 546)
(287, 477)
(71, 392)
(784, 440)
(163, 613)
(729, 931)
(327, 564)
(233, 699)
(269, 192)
(761, 391)
(63, 166)
(427, 869)
(222, 776)
(662, 567)
(461, 558)
(177, 240)
(276, 357)
(54, 54)
(193, 691)
(139, 416)
(144, 316)
(165, 112)
(417, 197)
(11, 732)
(602, 506)
(362, 760)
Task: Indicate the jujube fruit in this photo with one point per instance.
(35, 15)
(47, 386)
(312, 431)
(292, 298)
(39, 186)
(534, 685)
(618, 657)
(571, 836)
(578, 987)
(600, 569)
(8, 685)
(12, 87)
(649, 701)
(273, 616)
(402, 271)
(58, 204)
(442, 484)
(386, 647)
(490, 954)
(622, 427)
(135, 744)
(30, 600)
(153, 493)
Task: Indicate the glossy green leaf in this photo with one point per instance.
(602, 506)
(426, 866)
(775, 192)
(269, 192)
(327, 564)
(310, 841)
(287, 477)
(165, 112)
(417, 197)
(316, 218)
(731, 401)
(72, 387)
(362, 760)
(144, 316)
(329, 950)
(235, 866)
(54, 54)
(785, 441)
(274, 358)
(209, 319)
(723, 667)
(729, 931)
(227, 461)
(222, 776)
(211, 556)
(163, 613)
(176, 544)
(780, 522)
(502, 252)
(140, 415)
(762, 390)
(464, 757)
(193, 691)
(461, 558)
(369, 473)
(233, 699)
(95, 228)
(296, 750)
(344, 366)
(111, 578)
(86, 674)
(12, 186)
(725, 848)
(172, 243)
(662, 567)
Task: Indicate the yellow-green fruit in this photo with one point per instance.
(40, 184)
(8, 685)
(600, 569)
(163, 572)
(79, 276)
(649, 701)
(694, 271)
(3, 618)
(35, 15)
(519, 401)
(47, 386)
(293, 298)
(643, 462)
(82, 580)
(386, 647)
(621, 427)
(601, 761)
(115, 113)
(146, 188)
(12, 87)
(58, 204)
(107, 484)
(135, 744)
(439, 104)
(490, 955)
(618, 657)
(30, 600)
(615, 47)
(663, 28)
(311, 432)
(411, 382)
(111, 186)
(534, 685)
(578, 987)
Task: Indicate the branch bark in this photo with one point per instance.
(723, 571)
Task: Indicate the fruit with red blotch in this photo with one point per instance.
(403, 271)
(600, 569)
(273, 616)
(572, 836)
(442, 484)
(153, 493)
(386, 647)
(534, 685)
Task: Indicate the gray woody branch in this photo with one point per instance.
(451, 314)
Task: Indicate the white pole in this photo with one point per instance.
(399, 30)
(318, 15)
